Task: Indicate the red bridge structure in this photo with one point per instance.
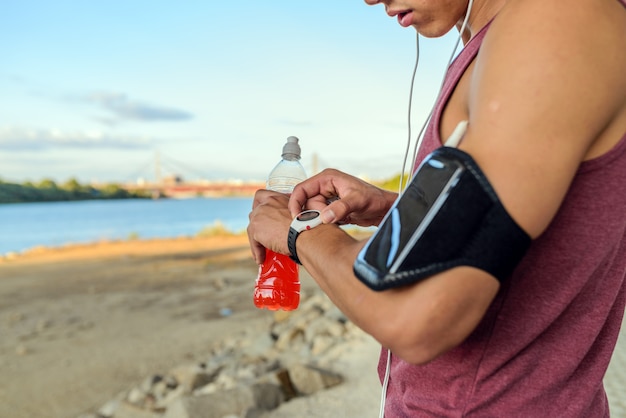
(179, 189)
(173, 185)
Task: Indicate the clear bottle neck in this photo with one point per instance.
(291, 157)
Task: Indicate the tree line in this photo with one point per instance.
(48, 190)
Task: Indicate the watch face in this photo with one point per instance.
(308, 215)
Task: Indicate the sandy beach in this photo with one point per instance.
(79, 324)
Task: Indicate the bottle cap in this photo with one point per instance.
(292, 147)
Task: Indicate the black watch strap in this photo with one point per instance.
(291, 245)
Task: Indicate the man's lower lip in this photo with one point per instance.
(405, 19)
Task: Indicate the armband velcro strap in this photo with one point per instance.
(448, 216)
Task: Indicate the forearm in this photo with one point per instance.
(417, 322)
(327, 252)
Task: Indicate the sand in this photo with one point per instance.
(81, 324)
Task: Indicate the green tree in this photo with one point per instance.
(47, 190)
(47, 184)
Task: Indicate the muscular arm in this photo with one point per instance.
(417, 322)
(546, 92)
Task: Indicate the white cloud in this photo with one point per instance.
(124, 108)
(21, 139)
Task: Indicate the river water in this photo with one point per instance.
(27, 225)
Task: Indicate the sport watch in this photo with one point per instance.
(302, 222)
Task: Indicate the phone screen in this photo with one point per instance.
(411, 214)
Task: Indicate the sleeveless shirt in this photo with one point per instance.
(545, 342)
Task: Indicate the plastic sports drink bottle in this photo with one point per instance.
(278, 283)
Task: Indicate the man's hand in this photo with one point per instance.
(342, 199)
(269, 224)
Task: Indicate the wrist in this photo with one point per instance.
(304, 221)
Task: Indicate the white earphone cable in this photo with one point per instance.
(409, 139)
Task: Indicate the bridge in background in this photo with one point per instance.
(167, 181)
(173, 185)
(176, 188)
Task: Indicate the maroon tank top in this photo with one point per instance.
(545, 343)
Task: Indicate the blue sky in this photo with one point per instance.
(96, 89)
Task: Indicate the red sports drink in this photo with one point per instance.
(278, 284)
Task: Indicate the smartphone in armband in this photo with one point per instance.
(449, 215)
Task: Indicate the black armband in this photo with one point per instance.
(448, 216)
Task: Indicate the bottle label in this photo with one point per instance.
(283, 184)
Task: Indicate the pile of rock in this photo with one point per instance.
(248, 375)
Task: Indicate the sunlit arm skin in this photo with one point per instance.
(546, 92)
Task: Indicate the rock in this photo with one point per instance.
(324, 326)
(335, 314)
(193, 376)
(108, 409)
(281, 316)
(166, 399)
(136, 396)
(236, 401)
(317, 301)
(285, 382)
(247, 375)
(309, 379)
(290, 339)
(321, 344)
(162, 388)
(127, 410)
(267, 396)
(258, 345)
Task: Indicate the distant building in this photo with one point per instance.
(172, 179)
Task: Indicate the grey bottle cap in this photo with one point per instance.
(292, 147)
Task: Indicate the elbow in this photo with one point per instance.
(413, 345)
(419, 327)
